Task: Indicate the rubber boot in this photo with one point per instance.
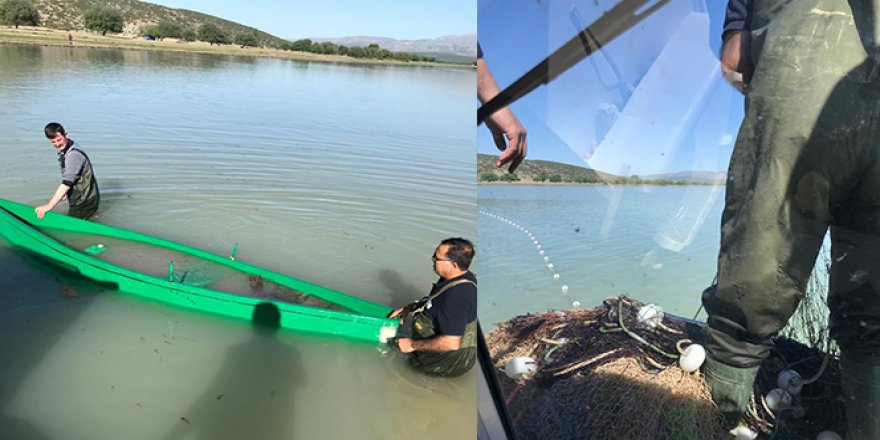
(731, 388)
(861, 395)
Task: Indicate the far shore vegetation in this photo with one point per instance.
(542, 172)
(131, 24)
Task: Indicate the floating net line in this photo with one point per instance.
(605, 374)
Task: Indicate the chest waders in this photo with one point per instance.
(440, 363)
(806, 160)
(83, 196)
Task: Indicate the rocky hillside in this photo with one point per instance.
(543, 171)
(458, 48)
(68, 14)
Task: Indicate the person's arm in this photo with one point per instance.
(60, 194)
(501, 123)
(437, 343)
(736, 61)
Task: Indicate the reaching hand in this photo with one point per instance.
(405, 345)
(41, 210)
(509, 136)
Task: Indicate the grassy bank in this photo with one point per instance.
(40, 36)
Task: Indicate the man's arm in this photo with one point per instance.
(501, 123)
(60, 194)
(437, 343)
(736, 61)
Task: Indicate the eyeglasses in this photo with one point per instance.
(435, 259)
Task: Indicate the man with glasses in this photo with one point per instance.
(440, 330)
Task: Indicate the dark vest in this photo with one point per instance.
(448, 363)
(84, 197)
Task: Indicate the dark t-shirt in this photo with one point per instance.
(455, 308)
(736, 18)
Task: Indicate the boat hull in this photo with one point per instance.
(366, 320)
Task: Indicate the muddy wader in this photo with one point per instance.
(84, 196)
(806, 160)
(439, 363)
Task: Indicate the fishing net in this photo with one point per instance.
(609, 373)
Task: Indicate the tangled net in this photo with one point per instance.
(605, 374)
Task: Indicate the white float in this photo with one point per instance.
(520, 368)
(692, 358)
(791, 381)
(778, 399)
(743, 433)
(650, 315)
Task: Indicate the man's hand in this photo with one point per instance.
(736, 58)
(41, 210)
(60, 194)
(405, 345)
(395, 313)
(509, 136)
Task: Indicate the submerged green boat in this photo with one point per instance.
(183, 276)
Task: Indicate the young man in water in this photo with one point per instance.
(78, 184)
(444, 323)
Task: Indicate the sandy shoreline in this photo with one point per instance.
(40, 36)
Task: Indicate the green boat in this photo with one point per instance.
(183, 276)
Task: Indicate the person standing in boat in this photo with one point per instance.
(78, 184)
(440, 330)
(806, 160)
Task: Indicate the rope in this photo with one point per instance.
(637, 337)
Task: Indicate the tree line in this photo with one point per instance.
(543, 176)
(372, 51)
(105, 19)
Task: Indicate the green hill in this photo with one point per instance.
(68, 15)
(547, 172)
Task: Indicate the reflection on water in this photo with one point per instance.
(344, 176)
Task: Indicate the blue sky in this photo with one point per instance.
(398, 19)
(651, 102)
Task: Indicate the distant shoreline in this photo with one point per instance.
(40, 36)
(646, 183)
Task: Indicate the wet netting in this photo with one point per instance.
(184, 268)
(613, 373)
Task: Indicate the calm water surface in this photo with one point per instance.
(345, 176)
(655, 244)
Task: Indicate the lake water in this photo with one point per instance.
(342, 175)
(655, 244)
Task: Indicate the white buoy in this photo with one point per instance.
(546, 259)
(550, 266)
(564, 290)
(692, 358)
(539, 246)
(520, 367)
(828, 435)
(650, 315)
(541, 253)
(743, 433)
(778, 399)
(576, 304)
(791, 381)
(556, 276)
